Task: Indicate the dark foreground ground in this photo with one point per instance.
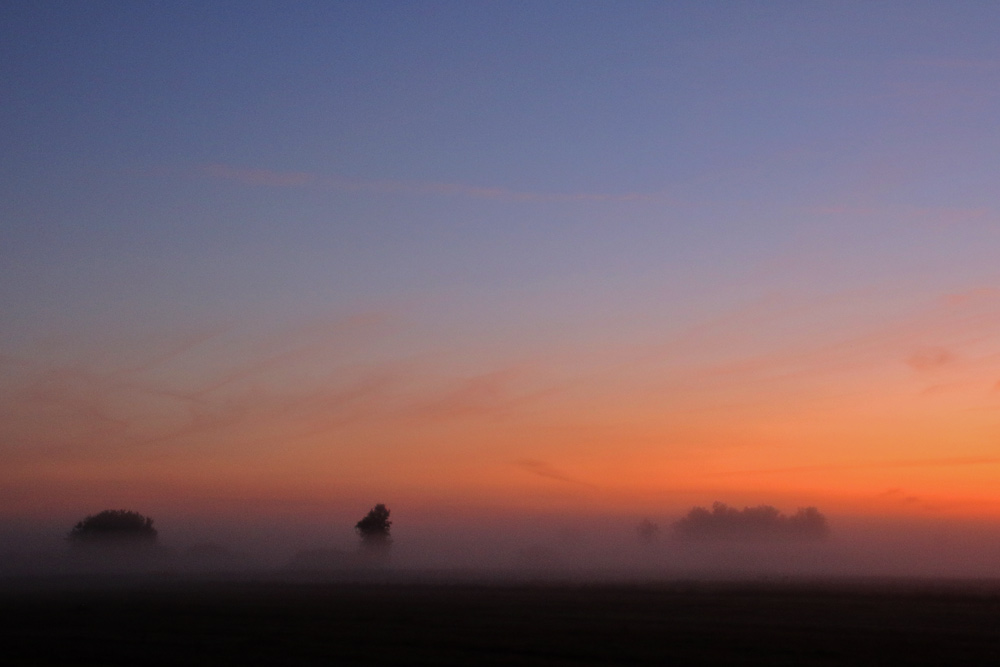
(377, 623)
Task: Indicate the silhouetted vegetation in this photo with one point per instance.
(374, 527)
(754, 523)
(114, 526)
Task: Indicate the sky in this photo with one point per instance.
(261, 259)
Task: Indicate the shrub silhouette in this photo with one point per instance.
(114, 526)
(753, 523)
(374, 527)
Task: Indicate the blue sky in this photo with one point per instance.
(501, 203)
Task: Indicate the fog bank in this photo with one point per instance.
(537, 546)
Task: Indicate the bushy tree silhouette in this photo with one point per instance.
(118, 526)
(753, 523)
(374, 527)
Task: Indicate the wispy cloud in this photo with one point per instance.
(897, 495)
(495, 393)
(870, 465)
(234, 394)
(965, 323)
(296, 179)
(939, 216)
(283, 417)
(930, 358)
(200, 391)
(841, 209)
(260, 177)
(972, 295)
(968, 64)
(178, 350)
(543, 469)
(300, 345)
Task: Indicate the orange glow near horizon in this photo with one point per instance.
(841, 425)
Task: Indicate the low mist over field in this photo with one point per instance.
(533, 546)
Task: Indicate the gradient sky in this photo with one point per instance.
(557, 257)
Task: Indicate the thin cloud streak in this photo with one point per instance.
(177, 351)
(74, 411)
(495, 394)
(960, 320)
(277, 179)
(543, 469)
(875, 465)
(941, 216)
(930, 358)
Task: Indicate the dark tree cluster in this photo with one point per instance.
(114, 525)
(374, 527)
(763, 522)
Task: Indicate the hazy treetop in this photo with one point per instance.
(761, 522)
(375, 525)
(114, 524)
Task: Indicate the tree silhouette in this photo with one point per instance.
(374, 527)
(114, 526)
(752, 523)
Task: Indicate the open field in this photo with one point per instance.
(281, 622)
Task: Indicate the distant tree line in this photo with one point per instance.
(763, 522)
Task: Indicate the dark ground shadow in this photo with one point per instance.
(281, 623)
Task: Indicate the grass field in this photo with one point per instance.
(164, 621)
